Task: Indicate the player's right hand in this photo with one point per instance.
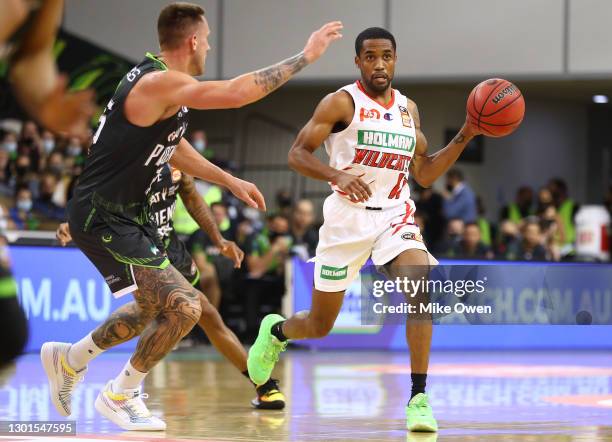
(248, 192)
(357, 190)
(62, 234)
(319, 40)
(67, 113)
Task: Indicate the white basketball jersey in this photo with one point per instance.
(379, 143)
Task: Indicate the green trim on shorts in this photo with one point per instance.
(141, 262)
(8, 287)
(197, 278)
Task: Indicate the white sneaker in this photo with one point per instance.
(63, 379)
(127, 409)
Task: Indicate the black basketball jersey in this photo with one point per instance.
(125, 160)
(162, 200)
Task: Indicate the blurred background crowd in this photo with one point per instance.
(38, 171)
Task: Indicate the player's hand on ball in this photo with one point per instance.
(230, 250)
(357, 190)
(320, 40)
(62, 234)
(248, 192)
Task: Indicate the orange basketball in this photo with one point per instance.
(496, 107)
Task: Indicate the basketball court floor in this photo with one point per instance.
(344, 396)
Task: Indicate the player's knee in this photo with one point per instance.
(188, 308)
(321, 327)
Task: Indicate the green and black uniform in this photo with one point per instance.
(162, 200)
(109, 215)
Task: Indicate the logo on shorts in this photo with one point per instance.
(411, 236)
(334, 273)
(107, 238)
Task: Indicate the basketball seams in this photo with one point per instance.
(484, 103)
(504, 106)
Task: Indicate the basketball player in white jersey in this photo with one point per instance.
(372, 135)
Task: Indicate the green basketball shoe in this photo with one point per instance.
(419, 416)
(263, 355)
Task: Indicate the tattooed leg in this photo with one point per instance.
(179, 306)
(123, 324)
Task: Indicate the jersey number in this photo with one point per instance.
(399, 186)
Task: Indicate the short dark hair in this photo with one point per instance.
(175, 21)
(455, 173)
(371, 34)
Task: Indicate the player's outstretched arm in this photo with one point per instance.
(200, 212)
(183, 90)
(334, 108)
(191, 162)
(36, 83)
(425, 169)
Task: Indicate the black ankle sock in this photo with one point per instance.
(277, 330)
(418, 383)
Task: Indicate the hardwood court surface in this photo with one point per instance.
(345, 396)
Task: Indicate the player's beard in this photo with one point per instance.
(376, 87)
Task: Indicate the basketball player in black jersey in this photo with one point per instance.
(140, 131)
(162, 200)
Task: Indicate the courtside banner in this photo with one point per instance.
(62, 294)
(473, 304)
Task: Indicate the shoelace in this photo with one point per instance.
(273, 350)
(137, 406)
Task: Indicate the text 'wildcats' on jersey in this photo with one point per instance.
(379, 144)
(125, 160)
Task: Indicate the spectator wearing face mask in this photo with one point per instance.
(269, 249)
(47, 142)
(304, 236)
(21, 214)
(9, 144)
(199, 140)
(508, 235)
(460, 200)
(530, 247)
(454, 232)
(521, 208)
(567, 208)
(471, 246)
(45, 204)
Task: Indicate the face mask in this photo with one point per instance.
(56, 169)
(48, 145)
(24, 205)
(10, 146)
(199, 145)
(449, 187)
(21, 170)
(74, 151)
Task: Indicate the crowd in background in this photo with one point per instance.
(38, 172)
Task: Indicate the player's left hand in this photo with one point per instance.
(62, 234)
(247, 192)
(230, 250)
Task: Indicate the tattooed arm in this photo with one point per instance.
(198, 209)
(202, 215)
(173, 88)
(424, 168)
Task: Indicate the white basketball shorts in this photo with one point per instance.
(350, 235)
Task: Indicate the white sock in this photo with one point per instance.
(128, 379)
(82, 352)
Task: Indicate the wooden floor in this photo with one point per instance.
(345, 397)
